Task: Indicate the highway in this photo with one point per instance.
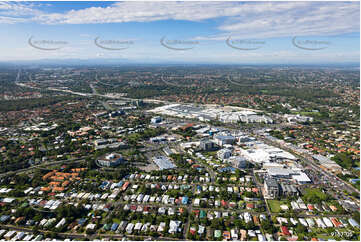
(43, 166)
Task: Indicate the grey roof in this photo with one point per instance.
(271, 182)
(274, 171)
(353, 222)
(322, 159)
(225, 137)
(288, 188)
(163, 162)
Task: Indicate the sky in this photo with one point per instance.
(182, 32)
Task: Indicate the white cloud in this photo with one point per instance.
(12, 13)
(17, 9)
(143, 12)
(301, 18)
(237, 19)
(253, 19)
(11, 20)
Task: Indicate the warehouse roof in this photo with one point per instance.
(163, 163)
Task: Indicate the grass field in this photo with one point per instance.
(274, 205)
(314, 194)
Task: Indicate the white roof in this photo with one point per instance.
(301, 177)
(279, 171)
(138, 226)
(327, 222)
(8, 200)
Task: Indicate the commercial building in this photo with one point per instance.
(222, 140)
(111, 160)
(297, 118)
(262, 153)
(225, 114)
(224, 154)
(327, 163)
(271, 188)
(163, 163)
(280, 172)
(108, 143)
(288, 190)
(206, 145)
(301, 178)
(238, 161)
